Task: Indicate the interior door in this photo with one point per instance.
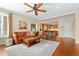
(67, 30)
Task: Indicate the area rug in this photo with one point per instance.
(44, 48)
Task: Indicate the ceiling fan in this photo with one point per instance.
(35, 8)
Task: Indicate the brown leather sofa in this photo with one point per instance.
(19, 36)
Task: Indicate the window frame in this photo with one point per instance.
(2, 19)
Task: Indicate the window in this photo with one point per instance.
(3, 26)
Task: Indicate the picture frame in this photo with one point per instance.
(33, 27)
(22, 25)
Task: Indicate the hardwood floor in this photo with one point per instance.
(2, 51)
(67, 47)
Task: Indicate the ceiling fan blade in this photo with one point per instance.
(36, 13)
(39, 5)
(28, 5)
(41, 10)
(29, 11)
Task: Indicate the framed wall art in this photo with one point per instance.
(22, 25)
(33, 27)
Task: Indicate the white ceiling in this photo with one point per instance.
(53, 9)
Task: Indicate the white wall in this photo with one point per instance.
(17, 18)
(68, 20)
(77, 26)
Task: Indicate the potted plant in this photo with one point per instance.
(36, 33)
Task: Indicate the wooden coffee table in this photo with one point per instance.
(31, 40)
